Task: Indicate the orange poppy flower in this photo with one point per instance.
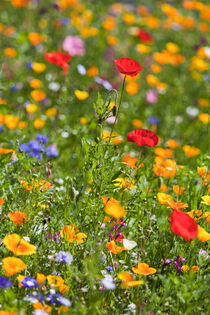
(12, 265)
(17, 217)
(112, 247)
(18, 245)
(143, 269)
(35, 38)
(38, 95)
(177, 205)
(127, 280)
(1, 201)
(40, 277)
(69, 233)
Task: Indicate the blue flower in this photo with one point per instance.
(64, 257)
(35, 145)
(1, 128)
(29, 282)
(153, 120)
(52, 151)
(24, 147)
(29, 65)
(42, 138)
(109, 268)
(58, 299)
(5, 282)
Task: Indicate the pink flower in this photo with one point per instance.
(74, 45)
(151, 97)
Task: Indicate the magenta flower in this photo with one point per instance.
(74, 46)
(151, 97)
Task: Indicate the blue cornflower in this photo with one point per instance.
(36, 154)
(42, 138)
(29, 65)
(24, 147)
(29, 282)
(153, 120)
(52, 151)
(109, 268)
(35, 145)
(5, 282)
(64, 257)
(53, 298)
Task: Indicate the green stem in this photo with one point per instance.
(122, 90)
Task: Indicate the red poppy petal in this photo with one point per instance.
(183, 225)
(143, 137)
(128, 66)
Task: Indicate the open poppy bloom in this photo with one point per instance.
(18, 245)
(144, 36)
(58, 58)
(127, 280)
(128, 66)
(143, 137)
(143, 269)
(12, 265)
(112, 247)
(183, 225)
(17, 217)
(69, 232)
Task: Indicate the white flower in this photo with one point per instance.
(107, 282)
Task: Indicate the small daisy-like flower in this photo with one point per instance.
(29, 282)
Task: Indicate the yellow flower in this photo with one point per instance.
(143, 49)
(38, 67)
(51, 112)
(124, 182)
(39, 123)
(203, 235)
(172, 48)
(127, 280)
(128, 18)
(185, 268)
(204, 118)
(115, 210)
(69, 233)
(83, 120)
(31, 108)
(137, 123)
(18, 245)
(152, 80)
(164, 199)
(12, 265)
(132, 88)
(81, 95)
(206, 200)
(143, 269)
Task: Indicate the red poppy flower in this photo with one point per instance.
(183, 225)
(143, 137)
(144, 36)
(58, 58)
(128, 66)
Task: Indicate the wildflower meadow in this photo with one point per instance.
(104, 155)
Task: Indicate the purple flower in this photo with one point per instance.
(64, 257)
(24, 147)
(35, 145)
(42, 138)
(52, 151)
(109, 268)
(59, 299)
(153, 120)
(151, 97)
(74, 46)
(5, 283)
(29, 282)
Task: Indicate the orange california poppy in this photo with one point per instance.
(143, 269)
(69, 233)
(112, 247)
(127, 280)
(18, 245)
(12, 265)
(17, 217)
